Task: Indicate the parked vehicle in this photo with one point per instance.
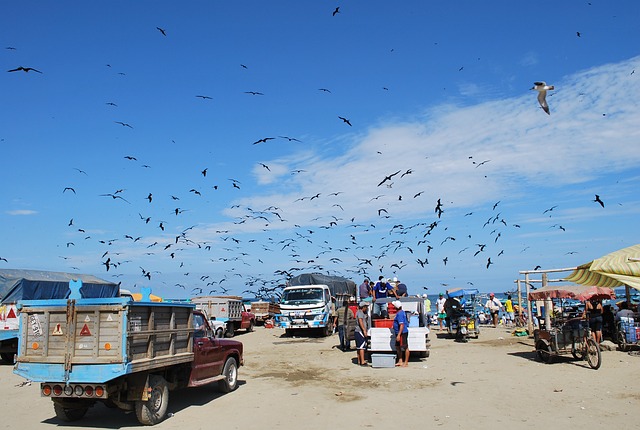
(566, 333)
(307, 302)
(382, 339)
(462, 317)
(17, 284)
(264, 310)
(127, 354)
(228, 309)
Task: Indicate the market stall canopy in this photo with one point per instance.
(613, 270)
(459, 292)
(576, 292)
(18, 284)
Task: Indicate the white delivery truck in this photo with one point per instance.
(307, 302)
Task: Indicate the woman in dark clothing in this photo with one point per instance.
(593, 310)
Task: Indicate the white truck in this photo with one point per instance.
(383, 340)
(226, 309)
(307, 302)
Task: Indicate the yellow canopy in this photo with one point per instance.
(613, 270)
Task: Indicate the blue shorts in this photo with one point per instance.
(361, 340)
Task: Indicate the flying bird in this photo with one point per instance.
(346, 121)
(263, 140)
(124, 124)
(597, 200)
(541, 88)
(265, 166)
(204, 97)
(24, 69)
(70, 189)
(254, 93)
(387, 178)
(335, 12)
(161, 30)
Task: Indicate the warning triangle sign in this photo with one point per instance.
(85, 331)
(11, 314)
(58, 330)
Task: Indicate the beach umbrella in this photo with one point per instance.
(619, 268)
(552, 292)
(576, 292)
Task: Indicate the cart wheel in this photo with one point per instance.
(622, 341)
(594, 358)
(577, 349)
(543, 351)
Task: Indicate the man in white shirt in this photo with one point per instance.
(441, 313)
(494, 305)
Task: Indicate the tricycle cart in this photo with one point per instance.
(464, 322)
(627, 330)
(567, 332)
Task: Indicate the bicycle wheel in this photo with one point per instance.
(578, 349)
(594, 358)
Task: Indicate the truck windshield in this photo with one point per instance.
(301, 296)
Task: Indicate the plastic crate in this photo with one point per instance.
(383, 323)
(383, 360)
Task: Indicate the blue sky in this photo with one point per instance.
(437, 91)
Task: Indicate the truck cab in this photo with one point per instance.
(305, 307)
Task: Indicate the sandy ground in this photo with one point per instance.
(307, 383)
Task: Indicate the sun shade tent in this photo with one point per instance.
(459, 292)
(576, 292)
(613, 270)
(18, 284)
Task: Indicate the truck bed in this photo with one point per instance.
(65, 340)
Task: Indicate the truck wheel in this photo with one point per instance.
(69, 414)
(154, 410)
(6, 357)
(251, 325)
(219, 333)
(230, 373)
(230, 331)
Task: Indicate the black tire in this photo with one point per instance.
(622, 341)
(154, 410)
(288, 332)
(230, 330)
(219, 333)
(543, 351)
(251, 325)
(69, 414)
(7, 357)
(577, 350)
(594, 358)
(230, 373)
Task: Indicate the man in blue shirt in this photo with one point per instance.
(401, 330)
(381, 290)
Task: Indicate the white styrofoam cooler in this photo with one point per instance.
(383, 339)
(383, 360)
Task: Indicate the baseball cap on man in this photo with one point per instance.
(491, 295)
(363, 304)
(397, 304)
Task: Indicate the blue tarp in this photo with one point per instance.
(459, 292)
(18, 284)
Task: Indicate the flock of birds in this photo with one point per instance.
(316, 249)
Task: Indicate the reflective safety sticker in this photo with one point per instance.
(87, 319)
(57, 331)
(85, 331)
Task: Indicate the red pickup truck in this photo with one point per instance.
(122, 353)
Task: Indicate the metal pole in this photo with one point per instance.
(547, 305)
(519, 299)
(529, 315)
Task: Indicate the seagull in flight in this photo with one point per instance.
(161, 30)
(346, 121)
(542, 87)
(597, 200)
(24, 69)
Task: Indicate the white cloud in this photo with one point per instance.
(21, 212)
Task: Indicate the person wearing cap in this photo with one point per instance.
(362, 328)
(365, 289)
(441, 313)
(401, 330)
(494, 305)
(381, 290)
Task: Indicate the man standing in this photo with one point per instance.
(441, 313)
(365, 289)
(494, 307)
(426, 310)
(345, 319)
(401, 288)
(362, 328)
(401, 330)
(381, 290)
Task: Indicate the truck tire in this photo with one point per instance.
(230, 373)
(251, 325)
(230, 330)
(327, 331)
(154, 410)
(219, 333)
(69, 414)
(6, 357)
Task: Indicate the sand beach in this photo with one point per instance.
(291, 382)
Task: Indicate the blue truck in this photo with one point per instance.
(123, 353)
